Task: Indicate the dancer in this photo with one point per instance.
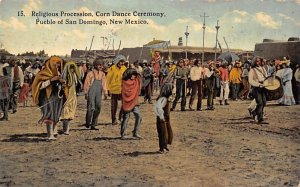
(72, 76)
(94, 86)
(131, 88)
(257, 75)
(114, 82)
(48, 94)
(162, 111)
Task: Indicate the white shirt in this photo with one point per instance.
(158, 107)
(196, 73)
(257, 76)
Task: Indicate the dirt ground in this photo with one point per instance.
(210, 148)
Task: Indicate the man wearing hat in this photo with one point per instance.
(257, 75)
(180, 75)
(114, 83)
(17, 79)
(235, 77)
(209, 75)
(94, 86)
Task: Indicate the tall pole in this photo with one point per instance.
(186, 40)
(204, 16)
(91, 43)
(217, 27)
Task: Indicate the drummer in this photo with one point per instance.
(257, 75)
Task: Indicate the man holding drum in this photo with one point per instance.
(257, 75)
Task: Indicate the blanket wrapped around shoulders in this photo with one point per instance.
(130, 91)
(47, 73)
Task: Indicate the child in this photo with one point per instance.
(131, 87)
(23, 97)
(162, 111)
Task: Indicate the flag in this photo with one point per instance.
(158, 44)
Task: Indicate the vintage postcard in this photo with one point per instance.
(149, 93)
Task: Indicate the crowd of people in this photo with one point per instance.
(56, 83)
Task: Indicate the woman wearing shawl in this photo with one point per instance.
(131, 87)
(48, 94)
(72, 76)
(162, 111)
(286, 75)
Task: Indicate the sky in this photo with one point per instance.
(242, 23)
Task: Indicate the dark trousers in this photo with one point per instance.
(180, 93)
(114, 106)
(165, 133)
(246, 88)
(4, 103)
(148, 92)
(94, 103)
(14, 96)
(235, 90)
(261, 101)
(297, 92)
(210, 84)
(196, 88)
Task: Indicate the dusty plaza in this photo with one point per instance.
(210, 148)
(160, 93)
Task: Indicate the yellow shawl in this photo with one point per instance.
(47, 73)
(67, 75)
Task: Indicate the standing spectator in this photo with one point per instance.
(210, 84)
(164, 73)
(3, 64)
(246, 86)
(297, 85)
(156, 69)
(138, 68)
(236, 79)
(286, 75)
(23, 97)
(224, 75)
(5, 89)
(196, 78)
(188, 65)
(17, 79)
(181, 78)
(148, 77)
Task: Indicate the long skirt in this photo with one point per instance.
(51, 107)
(24, 93)
(70, 105)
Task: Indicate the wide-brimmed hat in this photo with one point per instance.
(211, 62)
(286, 62)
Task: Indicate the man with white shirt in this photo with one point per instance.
(257, 75)
(196, 74)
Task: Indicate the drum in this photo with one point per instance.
(274, 89)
